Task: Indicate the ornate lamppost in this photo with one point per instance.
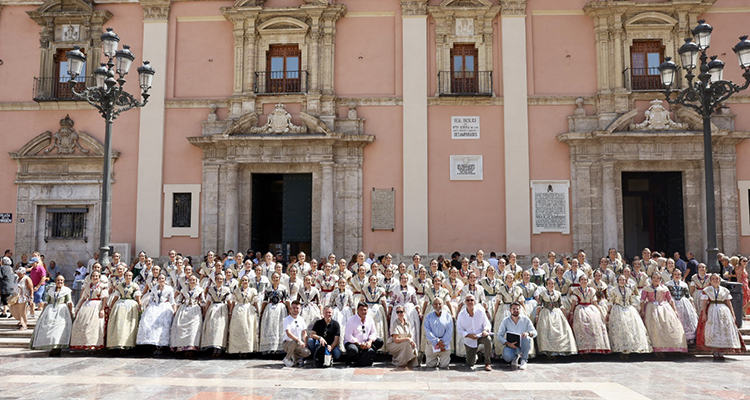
(705, 95)
(110, 99)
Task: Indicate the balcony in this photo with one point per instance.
(57, 89)
(280, 82)
(465, 83)
(646, 80)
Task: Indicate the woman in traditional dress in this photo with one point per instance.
(156, 320)
(231, 282)
(563, 286)
(185, 335)
(402, 344)
(326, 282)
(602, 291)
(243, 326)
(24, 299)
(555, 338)
(122, 328)
(683, 304)
(52, 331)
(309, 298)
(666, 274)
(491, 285)
(507, 294)
(358, 283)
(454, 286)
(661, 320)
(342, 302)
(342, 271)
(421, 283)
(588, 322)
(260, 282)
(374, 296)
(718, 327)
(273, 311)
(528, 289)
(88, 327)
(216, 320)
(388, 283)
(513, 267)
(698, 283)
(538, 275)
(435, 271)
(627, 334)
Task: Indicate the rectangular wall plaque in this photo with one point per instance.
(383, 209)
(465, 127)
(466, 168)
(550, 206)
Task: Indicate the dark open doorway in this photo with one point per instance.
(653, 212)
(282, 213)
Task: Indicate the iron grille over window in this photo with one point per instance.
(66, 224)
(181, 209)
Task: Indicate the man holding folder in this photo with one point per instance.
(515, 333)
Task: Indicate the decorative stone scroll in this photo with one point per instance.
(383, 209)
(550, 206)
(65, 141)
(657, 119)
(413, 7)
(279, 122)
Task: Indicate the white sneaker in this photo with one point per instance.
(288, 362)
(514, 363)
(522, 365)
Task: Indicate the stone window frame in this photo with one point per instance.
(195, 197)
(294, 32)
(658, 26)
(55, 13)
(744, 187)
(482, 13)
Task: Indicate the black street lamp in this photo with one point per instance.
(109, 97)
(705, 96)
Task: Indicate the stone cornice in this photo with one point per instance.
(156, 10)
(597, 138)
(413, 7)
(513, 8)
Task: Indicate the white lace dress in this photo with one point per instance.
(685, 308)
(122, 327)
(243, 327)
(156, 320)
(188, 320)
(720, 332)
(271, 323)
(343, 304)
(627, 333)
(555, 338)
(216, 321)
(310, 301)
(88, 328)
(53, 327)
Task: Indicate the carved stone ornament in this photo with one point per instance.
(279, 122)
(413, 7)
(657, 119)
(156, 10)
(513, 7)
(65, 141)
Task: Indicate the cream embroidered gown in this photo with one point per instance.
(685, 308)
(271, 326)
(554, 338)
(588, 322)
(243, 326)
(122, 328)
(310, 299)
(188, 321)
(53, 327)
(156, 320)
(627, 334)
(663, 325)
(216, 321)
(343, 304)
(88, 328)
(491, 288)
(377, 311)
(721, 333)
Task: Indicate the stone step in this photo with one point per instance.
(14, 342)
(15, 333)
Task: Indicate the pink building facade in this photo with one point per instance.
(403, 127)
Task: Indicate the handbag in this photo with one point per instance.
(327, 359)
(13, 299)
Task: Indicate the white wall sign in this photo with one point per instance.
(550, 204)
(6, 218)
(466, 168)
(465, 127)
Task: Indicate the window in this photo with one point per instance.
(181, 210)
(646, 55)
(59, 86)
(464, 62)
(66, 224)
(283, 69)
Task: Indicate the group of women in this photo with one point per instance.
(238, 308)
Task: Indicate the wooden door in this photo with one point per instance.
(283, 69)
(646, 55)
(464, 63)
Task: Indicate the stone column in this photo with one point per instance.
(516, 128)
(414, 36)
(231, 206)
(326, 210)
(313, 64)
(151, 130)
(249, 63)
(210, 212)
(609, 212)
(728, 220)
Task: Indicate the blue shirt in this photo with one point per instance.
(524, 325)
(438, 328)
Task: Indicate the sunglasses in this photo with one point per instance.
(399, 312)
(363, 329)
(469, 301)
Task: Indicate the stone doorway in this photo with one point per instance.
(653, 212)
(282, 213)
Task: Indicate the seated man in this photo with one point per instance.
(325, 335)
(360, 339)
(517, 354)
(473, 325)
(438, 329)
(295, 330)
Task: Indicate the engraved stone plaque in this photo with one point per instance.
(383, 209)
(466, 168)
(465, 127)
(550, 205)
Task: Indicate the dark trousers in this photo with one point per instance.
(360, 357)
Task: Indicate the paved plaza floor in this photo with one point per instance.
(26, 374)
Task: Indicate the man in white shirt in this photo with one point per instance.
(361, 340)
(517, 354)
(474, 326)
(294, 343)
(371, 258)
(91, 262)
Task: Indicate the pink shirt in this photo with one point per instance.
(37, 274)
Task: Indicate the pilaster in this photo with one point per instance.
(326, 209)
(231, 206)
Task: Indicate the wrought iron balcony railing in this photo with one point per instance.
(465, 83)
(55, 88)
(646, 79)
(280, 82)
